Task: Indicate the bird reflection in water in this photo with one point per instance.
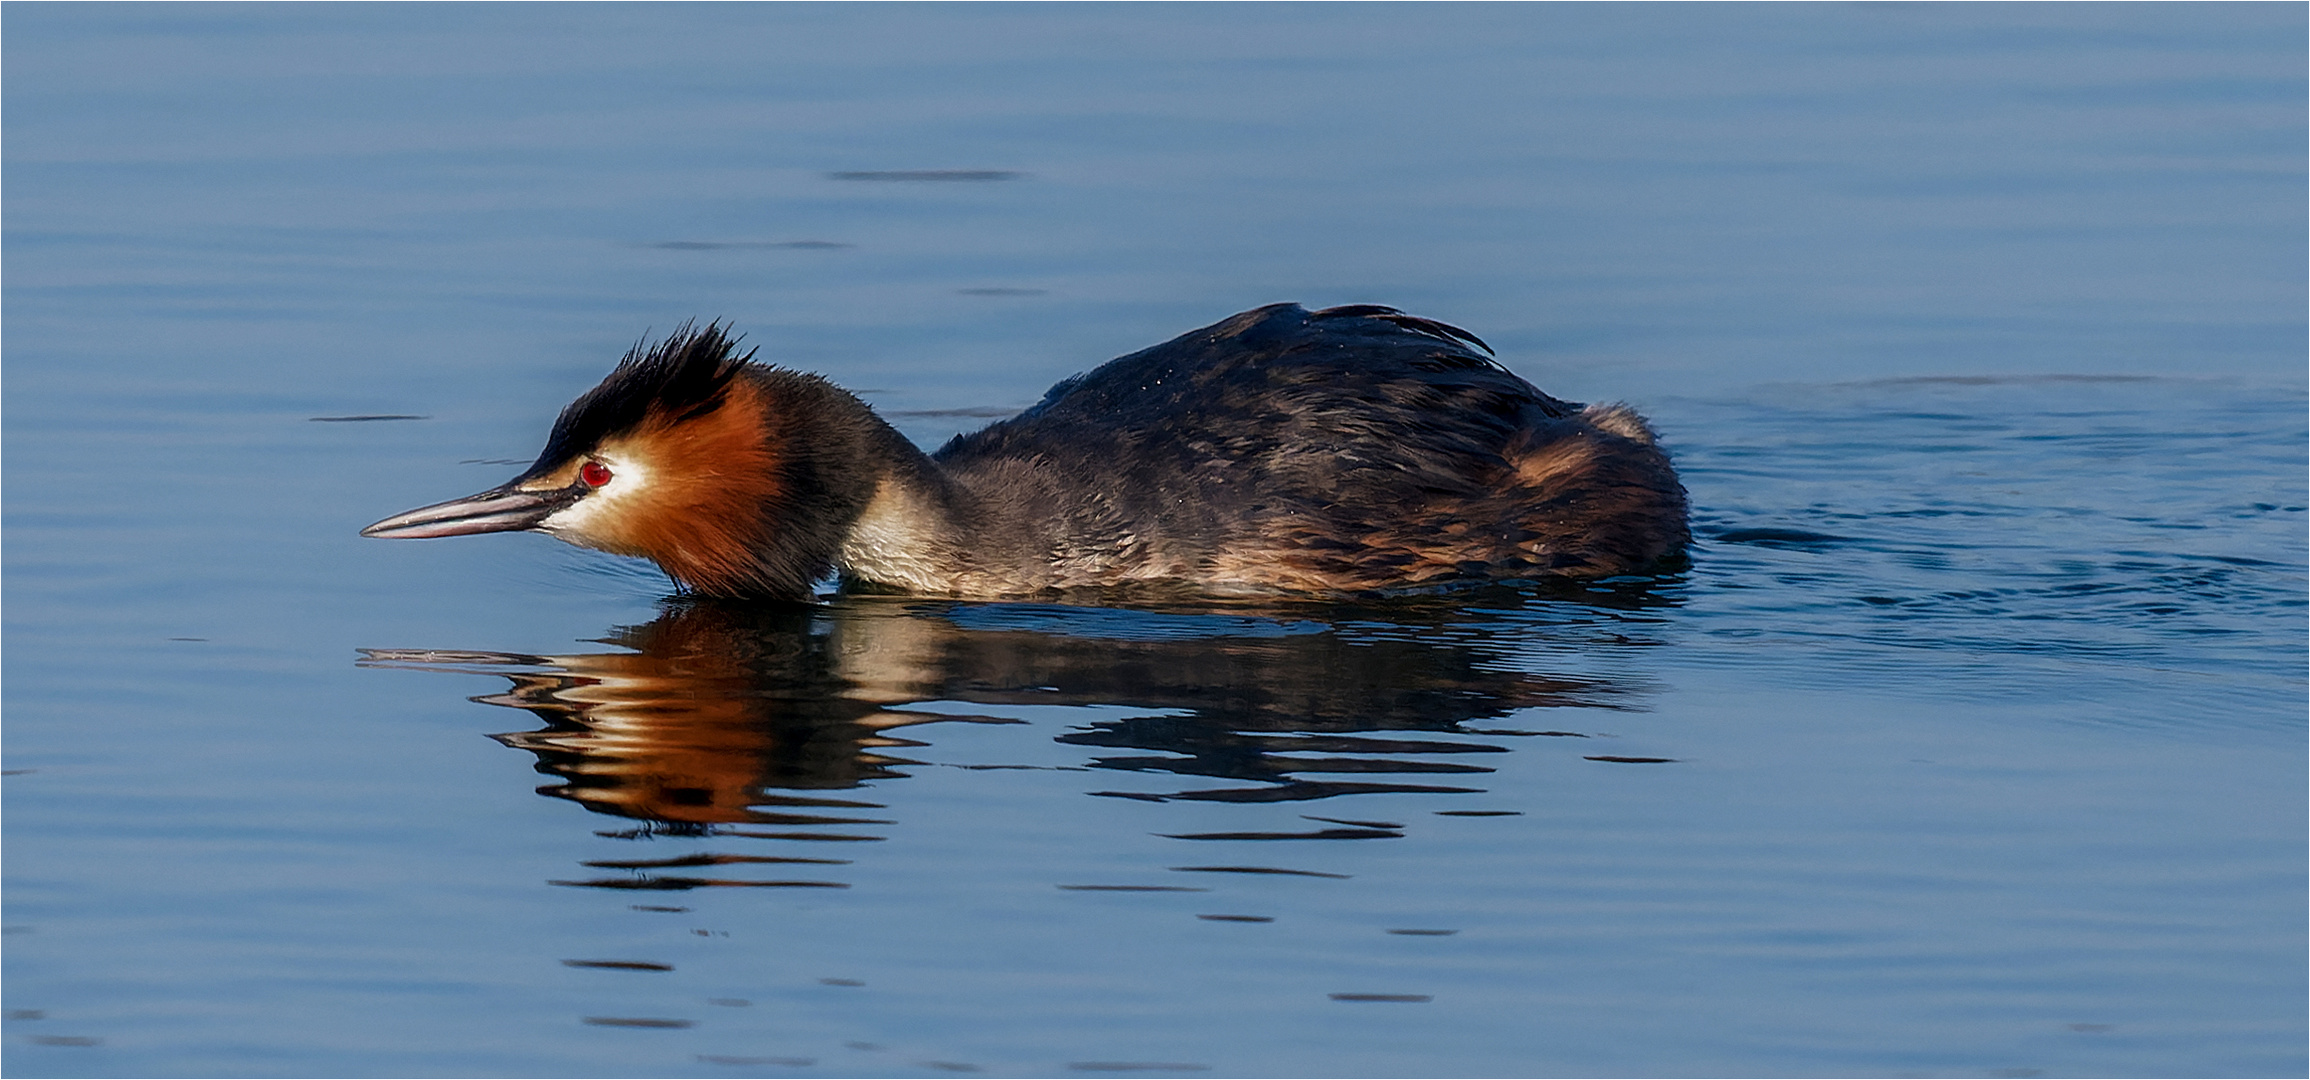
(734, 719)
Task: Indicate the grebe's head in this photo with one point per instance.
(670, 459)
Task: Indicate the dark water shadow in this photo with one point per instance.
(772, 736)
(763, 721)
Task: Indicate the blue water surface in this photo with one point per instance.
(1970, 744)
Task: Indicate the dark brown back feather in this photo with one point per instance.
(1347, 448)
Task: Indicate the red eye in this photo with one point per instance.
(595, 474)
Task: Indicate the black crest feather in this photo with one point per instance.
(684, 377)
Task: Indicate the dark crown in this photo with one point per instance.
(684, 377)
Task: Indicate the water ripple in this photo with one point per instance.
(2109, 530)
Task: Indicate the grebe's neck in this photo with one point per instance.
(928, 529)
(863, 500)
(907, 535)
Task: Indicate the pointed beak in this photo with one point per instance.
(502, 509)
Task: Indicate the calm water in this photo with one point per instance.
(1972, 744)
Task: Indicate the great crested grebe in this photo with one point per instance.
(1281, 450)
